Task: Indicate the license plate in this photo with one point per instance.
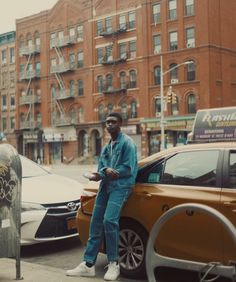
(71, 223)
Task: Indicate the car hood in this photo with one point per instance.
(50, 188)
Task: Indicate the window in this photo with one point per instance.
(100, 83)
(190, 37)
(38, 69)
(157, 75)
(12, 77)
(38, 120)
(124, 111)
(12, 123)
(132, 49)
(108, 24)
(99, 55)
(187, 168)
(81, 114)
(156, 13)
(122, 22)
(37, 41)
(4, 124)
(189, 7)
(109, 56)
(72, 61)
(131, 20)
(101, 113)
(132, 79)
(173, 38)
(157, 43)
(72, 88)
(71, 34)
(175, 106)
(4, 102)
(4, 57)
(99, 27)
(173, 71)
(12, 55)
(157, 105)
(191, 100)
(80, 59)
(123, 80)
(80, 33)
(109, 82)
(172, 9)
(191, 72)
(232, 170)
(122, 50)
(133, 112)
(109, 108)
(52, 39)
(80, 87)
(13, 102)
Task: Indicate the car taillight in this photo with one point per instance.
(85, 205)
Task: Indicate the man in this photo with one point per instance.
(117, 170)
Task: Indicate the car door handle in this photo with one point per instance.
(144, 194)
(229, 204)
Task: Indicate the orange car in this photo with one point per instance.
(196, 173)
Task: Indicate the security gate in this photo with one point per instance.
(10, 204)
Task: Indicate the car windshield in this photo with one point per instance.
(31, 169)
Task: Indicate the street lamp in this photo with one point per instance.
(162, 118)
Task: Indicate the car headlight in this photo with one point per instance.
(31, 207)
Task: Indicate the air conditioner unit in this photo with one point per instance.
(190, 45)
(174, 80)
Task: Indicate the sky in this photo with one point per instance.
(15, 9)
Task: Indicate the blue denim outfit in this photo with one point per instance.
(112, 194)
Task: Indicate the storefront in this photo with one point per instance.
(176, 131)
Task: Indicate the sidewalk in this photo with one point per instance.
(37, 273)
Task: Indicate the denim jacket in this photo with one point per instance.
(121, 156)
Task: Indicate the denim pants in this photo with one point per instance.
(105, 218)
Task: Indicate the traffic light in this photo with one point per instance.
(169, 97)
(173, 98)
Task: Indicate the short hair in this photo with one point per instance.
(117, 115)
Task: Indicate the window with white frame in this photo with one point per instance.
(109, 56)
(189, 7)
(191, 72)
(4, 56)
(100, 83)
(109, 82)
(80, 59)
(173, 40)
(156, 13)
(12, 55)
(37, 41)
(132, 79)
(72, 34)
(173, 72)
(191, 104)
(157, 44)
(80, 33)
(131, 20)
(80, 87)
(133, 109)
(12, 123)
(122, 80)
(122, 50)
(99, 27)
(4, 124)
(124, 111)
(99, 55)
(122, 21)
(4, 102)
(52, 39)
(172, 9)
(190, 37)
(81, 114)
(132, 49)
(157, 75)
(108, 24)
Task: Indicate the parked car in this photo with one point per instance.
(194, 173)
(49, 204)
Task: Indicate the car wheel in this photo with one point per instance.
(132, 249)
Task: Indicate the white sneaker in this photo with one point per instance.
(113, 271)
(82, 270)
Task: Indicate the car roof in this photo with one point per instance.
(196, 146)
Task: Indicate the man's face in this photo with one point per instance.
(113, 125)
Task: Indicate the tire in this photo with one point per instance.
(132, 249)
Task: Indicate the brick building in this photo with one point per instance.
(7, 87)
(82, 59)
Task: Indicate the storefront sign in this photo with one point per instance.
(30, 136)
(129, 129)
(59, 135)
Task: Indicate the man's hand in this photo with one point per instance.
(93, 176)
(113, 174)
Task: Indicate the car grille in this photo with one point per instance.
(55, 222)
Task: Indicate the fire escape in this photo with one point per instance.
(29, 97)
(61, 118)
